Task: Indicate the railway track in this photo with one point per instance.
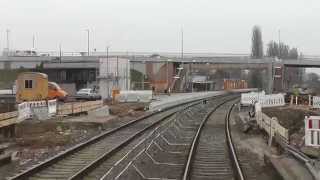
(80, 160)
(164, 157)
(212, 154)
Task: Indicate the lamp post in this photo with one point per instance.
(8, 31)
(108, 88)
(88, 41)
(167, 78)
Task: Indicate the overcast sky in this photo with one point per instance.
(155, 25)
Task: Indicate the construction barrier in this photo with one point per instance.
(312, 131)
(266, 100)
(272, 100)
(52, 107)
(24, 111)
(134, 96)
(251, 98)
(270, 125)
(316, 102)
(32, 104)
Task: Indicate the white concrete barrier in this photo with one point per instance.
(312, 131)
(174, 99)
(134, 96)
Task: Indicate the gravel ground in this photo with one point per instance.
(36, 141)
(251, 148)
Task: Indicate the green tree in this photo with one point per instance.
(257, 44)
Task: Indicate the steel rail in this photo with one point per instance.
(196, 139)
(232, 151)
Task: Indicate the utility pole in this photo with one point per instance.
(60, 53)
(88, 41)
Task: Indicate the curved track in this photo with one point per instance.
(212, 155)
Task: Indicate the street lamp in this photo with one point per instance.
(169, 60)
(107, 51)
(88, 39)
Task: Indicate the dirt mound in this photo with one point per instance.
(290, 117)
(124, 109)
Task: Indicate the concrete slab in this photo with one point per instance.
(162, 101)
(100, 115)
(290, 168)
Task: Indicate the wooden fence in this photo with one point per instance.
(78, 107)
(271, 126)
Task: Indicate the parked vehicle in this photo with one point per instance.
(55, 92)
(87, 94)
(34, 86)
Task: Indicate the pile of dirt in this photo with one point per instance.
(39, 134)
(125, 109)
(290, 117)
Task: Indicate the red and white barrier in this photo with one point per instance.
(312, 131)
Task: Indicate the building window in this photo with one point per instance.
(28, 84)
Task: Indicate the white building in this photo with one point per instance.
(114, 72)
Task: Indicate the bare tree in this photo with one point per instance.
(293, 53)
(282, 51)
(273, 49)
(257, 44)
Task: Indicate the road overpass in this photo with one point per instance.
(91, 63)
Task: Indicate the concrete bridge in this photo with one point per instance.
(275, 68)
